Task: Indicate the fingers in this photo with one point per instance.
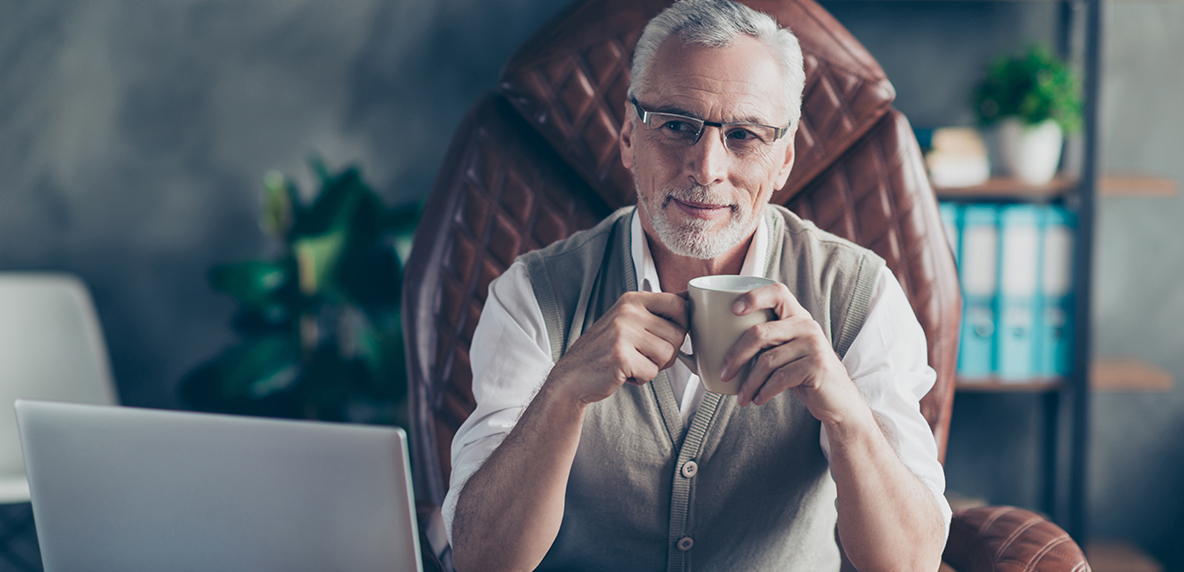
(777, 369)
(764, 336)
(662, 315)
(784, 353)
(659, 351)
(776, 297)
(648, 329)
(673, 307)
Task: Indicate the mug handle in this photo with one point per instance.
(689, 361)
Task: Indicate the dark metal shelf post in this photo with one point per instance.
(1078, 517)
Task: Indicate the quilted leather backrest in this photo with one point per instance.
(537, 160)
(877, 195)
(502, 192)
(569, 81)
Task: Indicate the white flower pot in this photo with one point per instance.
(1030, 152)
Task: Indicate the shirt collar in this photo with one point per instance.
(643, 261)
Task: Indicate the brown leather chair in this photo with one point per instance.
(537, 159)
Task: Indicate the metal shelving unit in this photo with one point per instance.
(1065, 400)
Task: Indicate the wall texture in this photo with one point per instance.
(1138, 458)
(134, 136)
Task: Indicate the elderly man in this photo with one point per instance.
(593, 448)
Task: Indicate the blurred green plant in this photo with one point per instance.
(320, 326)
(1033, 87)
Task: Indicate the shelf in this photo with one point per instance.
(1138, 186)
(997, 385)
(1003, 188)
(1128, 374)
(1106, 374)
(1119, 556)
(1110, 186)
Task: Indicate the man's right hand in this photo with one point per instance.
(496, 526)
(635, 340)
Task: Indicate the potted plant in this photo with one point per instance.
(1034, 99)
(319, 324)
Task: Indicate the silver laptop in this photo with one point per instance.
(126, 489)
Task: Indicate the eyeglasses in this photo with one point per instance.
(739, 138)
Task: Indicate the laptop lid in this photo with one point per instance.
(128, 489)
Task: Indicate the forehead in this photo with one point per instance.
(738, 82)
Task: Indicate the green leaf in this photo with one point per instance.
(263, 320)
(260, 367)
(381, 350)
(253, 283)
(1034, 87)
(342, 257)
(372, 276)
(317, 258)
(402, 220)
(326, 384)
(281, 204)
(334, 206)
(317, 164)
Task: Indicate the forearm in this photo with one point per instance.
(888, 519)
(509, 512)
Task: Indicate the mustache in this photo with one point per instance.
(698, 194)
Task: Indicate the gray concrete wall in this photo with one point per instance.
(1137, 467)
(134, 136)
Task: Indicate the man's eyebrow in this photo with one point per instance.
(676, 111)
(680, 111)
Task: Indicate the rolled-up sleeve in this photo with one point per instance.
(889, 362)
(510, 357)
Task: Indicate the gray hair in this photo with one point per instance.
(717, 23)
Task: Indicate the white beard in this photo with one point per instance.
(696, 238)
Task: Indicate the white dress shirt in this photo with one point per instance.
(511, 357)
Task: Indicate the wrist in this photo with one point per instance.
(853, 423)
(559, 393)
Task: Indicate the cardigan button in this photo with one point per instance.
(685, 543)
(690, 469)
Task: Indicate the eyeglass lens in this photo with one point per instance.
(739, 138)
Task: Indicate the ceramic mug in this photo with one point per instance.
(715, 329)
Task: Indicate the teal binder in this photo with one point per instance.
(1018, 292)
(1054, 336)
(978, 271)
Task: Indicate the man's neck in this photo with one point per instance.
(675, 271)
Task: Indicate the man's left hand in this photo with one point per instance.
(793, 353)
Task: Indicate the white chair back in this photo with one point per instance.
(51, 348)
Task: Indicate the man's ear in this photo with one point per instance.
(787, 160)
(626, 139)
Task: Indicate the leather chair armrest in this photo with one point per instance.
(432, 540)
(999, 538)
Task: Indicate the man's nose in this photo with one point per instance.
(707, 159)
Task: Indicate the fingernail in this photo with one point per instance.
(724, 374)
(739, 306)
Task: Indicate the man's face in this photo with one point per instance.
(702, 200)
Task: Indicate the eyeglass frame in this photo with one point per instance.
(778, 132)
